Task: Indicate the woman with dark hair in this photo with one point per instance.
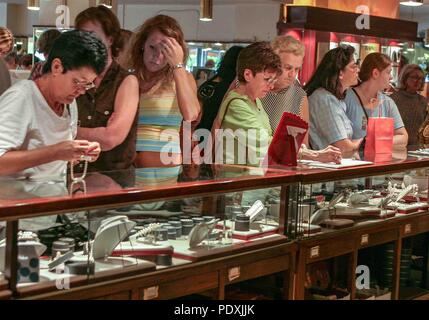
(214, 89)
(411, 104)
(126, 36)
(368, 100)
(44, 45)
(108, 112)
(326, 89)
(241, 111)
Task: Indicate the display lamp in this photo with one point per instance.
(206, 10)
(107, 3)
(33, 5)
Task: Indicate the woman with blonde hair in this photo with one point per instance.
(411, 104)
(168, 92)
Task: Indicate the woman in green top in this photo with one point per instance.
(241, 111)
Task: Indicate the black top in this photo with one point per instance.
(211, 94)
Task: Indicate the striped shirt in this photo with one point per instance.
(159, 111)
(287, 100)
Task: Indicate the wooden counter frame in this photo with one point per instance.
(391, 230)
(294, 254)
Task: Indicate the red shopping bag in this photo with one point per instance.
(379, 140)
(287, 140)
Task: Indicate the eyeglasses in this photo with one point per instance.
(416, 78)
(270, 80)
(83, 85)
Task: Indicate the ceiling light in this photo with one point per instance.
(33, 5)
(206, 10)
(218, 44)
(106, 3)
(412, 3)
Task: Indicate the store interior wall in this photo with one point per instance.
(3, 14)
(20, 20)
(232, 22)
(238, 22)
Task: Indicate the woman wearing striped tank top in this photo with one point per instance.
(168, 94)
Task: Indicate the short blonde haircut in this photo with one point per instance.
(288, 44)
(406, 72)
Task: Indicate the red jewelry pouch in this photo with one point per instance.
(379, 140)
(287, 140)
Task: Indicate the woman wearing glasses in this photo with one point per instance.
(368, 100)
(326, 90)
(108, 109)
(241, 110)
(411, 105)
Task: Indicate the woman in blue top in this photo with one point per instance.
(368, 100)
(326, 89)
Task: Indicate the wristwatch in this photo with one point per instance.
(178, 66)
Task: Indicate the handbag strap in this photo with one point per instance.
(361, 103)
(225, 111)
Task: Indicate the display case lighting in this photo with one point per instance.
(206, 10)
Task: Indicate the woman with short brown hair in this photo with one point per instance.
(241, 110)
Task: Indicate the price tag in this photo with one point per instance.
(233, 273)
(150, 293)
(314, 252)
(407, 228)
(364, 240)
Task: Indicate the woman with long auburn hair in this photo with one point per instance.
(368, 100)
(168, 93)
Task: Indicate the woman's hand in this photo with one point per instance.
(93, 151)
(329, 154)
(172, 51)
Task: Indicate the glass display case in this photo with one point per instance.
(115, 225)
(342, 232)
(363, 230)
(4, 292)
